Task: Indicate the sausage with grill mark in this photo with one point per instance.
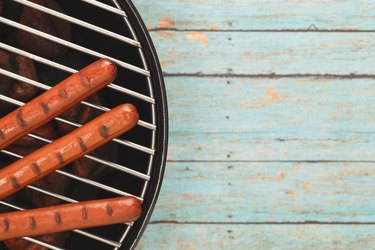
(55, 101)
(82, 114)
(53, 182)
(67, 148)
(69, 216)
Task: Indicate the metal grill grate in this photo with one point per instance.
(140, 90)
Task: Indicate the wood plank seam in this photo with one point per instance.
(273, 75)
(155, 222)
(308, 30)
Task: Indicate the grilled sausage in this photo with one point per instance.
(55, 101)
(53, 182)
(69, 216)
(67, 148)
(82, 114)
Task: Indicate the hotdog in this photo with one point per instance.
(66, 217)
(67, 148)
(86, 167)
(55, 101)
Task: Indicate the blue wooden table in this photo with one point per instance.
(272, 124)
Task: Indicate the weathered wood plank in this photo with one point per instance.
(306, 237)
(257, 15)
(265, 53)
(244, 192)
(322, 107)
(249, 119)
(247, 147)
(271, 119)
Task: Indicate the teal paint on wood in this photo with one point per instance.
(246, 147)
(281, 237)
(265, 53)
(335, 108)
(257, 15)
(225, 130)
(246, 192)
(271, 119)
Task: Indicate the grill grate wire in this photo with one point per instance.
(148, 99)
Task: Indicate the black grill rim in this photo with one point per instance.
(161, 108)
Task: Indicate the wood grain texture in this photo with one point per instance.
(266, 53)
(255, 119)
(284, 237)
(257, 15)
(271, 124)
(245, 192)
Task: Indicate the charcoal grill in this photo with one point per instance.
(111, 29)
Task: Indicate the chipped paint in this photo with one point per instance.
(166, 34)
(166, 23)
(281, 176)
(306, 185)
(150, 27)
(272, 95)
(291, 192)
(284, 141)
(248, 53)
(165, 63)
(199, 37)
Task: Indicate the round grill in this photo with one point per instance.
(112, 29)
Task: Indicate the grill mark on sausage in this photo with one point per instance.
(57, 217)
(33, 224)
(2, 135)
(6, 225)
(20, 119)
(84, 80)
(84, 213)
(14, 182)
(35, 168)
(103, 131)
(62, 93)
(82, 144)
(45, 107)
(109, 210)
(60, 157)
